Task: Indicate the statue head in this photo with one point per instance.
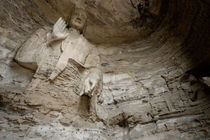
(78, 19)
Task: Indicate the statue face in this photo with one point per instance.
(78, 19)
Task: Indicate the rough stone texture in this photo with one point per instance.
(156, 83)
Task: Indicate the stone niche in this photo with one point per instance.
(104, 69)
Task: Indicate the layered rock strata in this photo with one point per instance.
(155, 71)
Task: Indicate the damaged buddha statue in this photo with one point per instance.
(66, 67)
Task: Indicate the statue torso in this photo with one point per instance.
(76, 47)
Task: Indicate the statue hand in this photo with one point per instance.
(59, 29)
(91, 82)
(52, 77)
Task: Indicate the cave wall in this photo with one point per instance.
(146, 89)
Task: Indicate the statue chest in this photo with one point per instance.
(77, 49)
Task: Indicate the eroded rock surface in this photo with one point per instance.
(154, 61)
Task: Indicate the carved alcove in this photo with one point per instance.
(154, 56)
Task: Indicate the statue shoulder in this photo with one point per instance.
(42, 31)
(88, 43)
(39, 34)
(29, 51)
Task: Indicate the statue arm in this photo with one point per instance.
(59, 68)
(51, 39)
(93, 76)
(60, 32)
(92, 80)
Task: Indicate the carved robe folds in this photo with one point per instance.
(75, 59)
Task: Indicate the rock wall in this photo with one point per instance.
(153, 85)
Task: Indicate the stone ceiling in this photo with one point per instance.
(109, 21)
(142, 63)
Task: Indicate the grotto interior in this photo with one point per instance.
(152, 67)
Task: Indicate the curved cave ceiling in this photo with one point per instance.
(111, 21)
(148, 51)
(174, 31)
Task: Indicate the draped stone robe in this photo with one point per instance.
(63, 93)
